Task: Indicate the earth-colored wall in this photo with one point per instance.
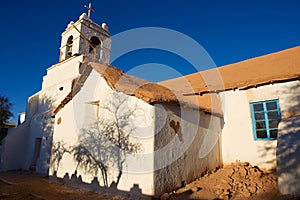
(187, 146)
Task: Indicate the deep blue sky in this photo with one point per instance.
(230, 31)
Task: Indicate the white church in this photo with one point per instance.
(93, 123)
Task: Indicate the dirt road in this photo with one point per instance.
(236, 181)
(25, 185)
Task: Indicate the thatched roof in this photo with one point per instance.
(140, 88)
(272, 68)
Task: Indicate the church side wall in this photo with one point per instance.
(31, 106)
(15, 158)
(14, 148)
(56, 86)
(41, 128)
(38, 125)
(187, 145)
(238, 142)
(75, 126)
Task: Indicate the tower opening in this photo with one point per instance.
(69, 47)
(95, 42)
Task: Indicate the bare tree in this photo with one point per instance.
(5, 107)
(5, 115)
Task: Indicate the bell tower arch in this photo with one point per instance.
(85, 37)
(69, 47)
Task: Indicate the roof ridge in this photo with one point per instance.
(239, 62)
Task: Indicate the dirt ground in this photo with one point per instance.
(236, 181)
(20, 185)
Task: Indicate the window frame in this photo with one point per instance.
(266, 118)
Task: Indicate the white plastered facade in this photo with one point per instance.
(238, 142)
(37, 129)
(163, 150)
(73, 117)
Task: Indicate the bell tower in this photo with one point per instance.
(85, 37)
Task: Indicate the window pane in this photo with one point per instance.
(261, 125)
(271, 106)
(273, 123)
(273, 115)
(261, 134)
(258, 107)
(273, 133)
(259, 116)
(266, 117)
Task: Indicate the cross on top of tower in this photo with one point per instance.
(89, 9)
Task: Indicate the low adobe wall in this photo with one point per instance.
(187, 146)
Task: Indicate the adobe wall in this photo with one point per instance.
(187, 146)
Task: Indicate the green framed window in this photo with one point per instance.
(265, 119)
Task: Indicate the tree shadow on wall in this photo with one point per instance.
(103, 146)
(290, 106)
(59, 149)
(41, 129)
(267, 151)
(288, 146)
(291, 97)
(288, 154)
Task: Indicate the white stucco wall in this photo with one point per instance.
(76, 115)
(14, 148)
(38, 122)
(238, 138)
(15, 158)
(62, 72)
(56, 85)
